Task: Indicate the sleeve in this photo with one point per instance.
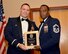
(8, 32)
(54, 32)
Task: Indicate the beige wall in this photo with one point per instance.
(63, 17)
(11, 7)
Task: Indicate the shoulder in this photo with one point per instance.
(55, 25)
(54, 20)
(11, 19)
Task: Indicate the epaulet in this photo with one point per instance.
(13, 17)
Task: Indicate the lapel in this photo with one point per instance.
(29, 25)
(19, 26)
(47, 21)
(40, 25)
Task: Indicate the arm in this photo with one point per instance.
(9, 33)
(10, 37)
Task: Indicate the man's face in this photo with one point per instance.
(24, 11)
(44, 12)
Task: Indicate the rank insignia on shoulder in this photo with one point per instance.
(56, 28)
(46, 28)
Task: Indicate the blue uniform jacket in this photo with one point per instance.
(50, 36)
(13, 34)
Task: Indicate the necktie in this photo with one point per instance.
(24, 19)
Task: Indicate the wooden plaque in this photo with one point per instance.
(31, 39)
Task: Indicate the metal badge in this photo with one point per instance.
(46, 28)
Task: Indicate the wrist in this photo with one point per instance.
(18, 45)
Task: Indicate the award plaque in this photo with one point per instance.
(31, 39)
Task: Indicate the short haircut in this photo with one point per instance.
(46, 6)
(25, 4)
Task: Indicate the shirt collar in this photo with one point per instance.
(45, 19)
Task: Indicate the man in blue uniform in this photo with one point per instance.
(15, 29)
(49, 32)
